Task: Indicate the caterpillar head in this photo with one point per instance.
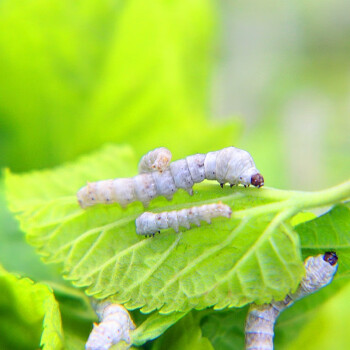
(331, 258)
(257, 180)
(251, 176)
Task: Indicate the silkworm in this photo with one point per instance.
(115, 325)
(156, 160)
(259, 329)
(150, 223)
(230, 164)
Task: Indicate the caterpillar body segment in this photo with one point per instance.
(155, 160)
(143, 188)
(115, 326)
(230, 164)
(150, 223)
(259, 328)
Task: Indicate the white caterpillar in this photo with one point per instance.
(115, 325)
(150, 223)
(259, 329)
(156, 160)
(230, 164)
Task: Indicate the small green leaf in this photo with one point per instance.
(229, 263)
(77, 315)
(330, 231)
(155, 325)
(28, 311)
(185, 335)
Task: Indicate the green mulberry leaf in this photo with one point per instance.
(29, 315)
(153, 326)
(186, 335)
(254, 256)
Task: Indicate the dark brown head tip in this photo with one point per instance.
(330, 257)
(257, 180)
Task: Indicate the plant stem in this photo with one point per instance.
(333, 195)
(299, 201)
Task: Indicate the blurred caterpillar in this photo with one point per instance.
(155, 160)
(259, 329)
(150, 223)
(115, 325)
(230, 164)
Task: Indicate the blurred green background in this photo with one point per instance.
(193, 75)
(75, 75)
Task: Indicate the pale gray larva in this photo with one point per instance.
(115, 326)
(230, 164)
(150, 223)
(156, 160)
(259, 329)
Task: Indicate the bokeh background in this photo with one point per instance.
(193, 75)
(75, 75)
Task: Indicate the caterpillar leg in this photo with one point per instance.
(189, 191)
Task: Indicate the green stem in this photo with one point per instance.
(299, 201)
(333, 195)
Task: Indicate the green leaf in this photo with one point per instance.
(229, 263)
(185, 335)
(330, 231)
(155, 325)
(28, 311)
(77, 315)
(12, 243)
